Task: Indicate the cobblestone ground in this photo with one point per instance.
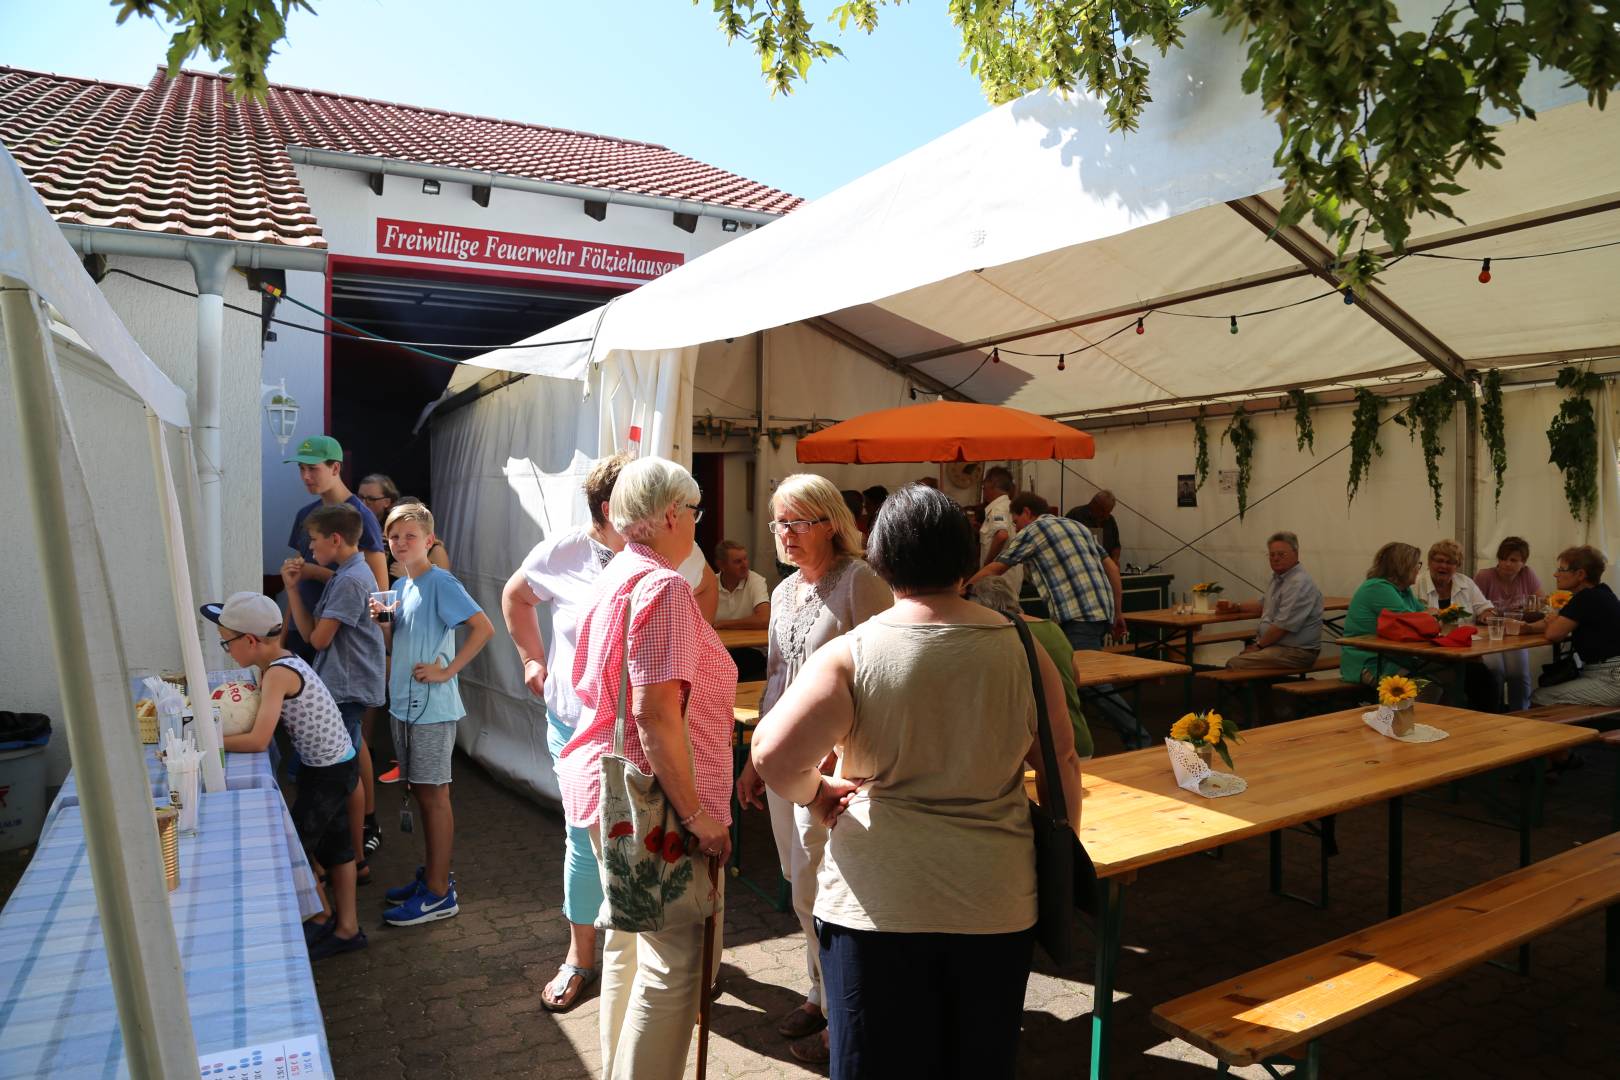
(459, 999)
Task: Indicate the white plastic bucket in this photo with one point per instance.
(22, 796)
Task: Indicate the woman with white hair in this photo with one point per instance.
(645, 626)
(832, 591)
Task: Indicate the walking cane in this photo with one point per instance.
(705, 993)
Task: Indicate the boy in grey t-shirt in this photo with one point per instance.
(349, 652)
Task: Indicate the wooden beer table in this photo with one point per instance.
(745, 639)
(1134, 816)
(1099, 674)
(1421, 656)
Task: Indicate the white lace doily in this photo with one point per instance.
(1195, 776)
(1382, 720)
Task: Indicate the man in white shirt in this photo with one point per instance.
(744, 604)
(998, 527)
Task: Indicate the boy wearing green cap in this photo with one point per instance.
(320, 467)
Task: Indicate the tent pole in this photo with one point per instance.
(206, 734)
(763, 540)
(142, 956)
(1465, 488)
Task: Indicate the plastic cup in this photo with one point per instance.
(1495, 627)
(388, 602)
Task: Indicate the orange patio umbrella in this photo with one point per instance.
(945, 431)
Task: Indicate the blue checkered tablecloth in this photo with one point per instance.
(236, 918)
(243, 772)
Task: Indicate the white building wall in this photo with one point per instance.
(348, 211)
(112, 437)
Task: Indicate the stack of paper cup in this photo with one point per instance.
(184, 764)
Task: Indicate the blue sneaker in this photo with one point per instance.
(401, 893)
(423, 907)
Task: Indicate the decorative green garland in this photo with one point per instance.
(1241, 435)
(1495, 426)
(1304, 431)
(1425, 419)
(1363, 440)
(1201, 444)
(1572, 437)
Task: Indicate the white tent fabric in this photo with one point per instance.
(34, 251)
(1034, 214)
(36, 264)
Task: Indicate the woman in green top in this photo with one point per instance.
(997, 595)
(1388, 588)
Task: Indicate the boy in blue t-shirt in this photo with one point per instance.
(350, 656)
(424, 702)
(320, 466)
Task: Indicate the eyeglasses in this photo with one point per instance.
(225, 643)
(373, 498)
(697, 513)
(1563, 570)
(798, 528)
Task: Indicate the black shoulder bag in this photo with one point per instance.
(1064, 877)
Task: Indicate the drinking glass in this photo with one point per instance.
(387, 603)
(1495, 627)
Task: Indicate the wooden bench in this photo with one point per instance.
(1299, 693)
(1569, 714)
(1245, 678)
(1258, 1018)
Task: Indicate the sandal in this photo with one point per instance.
(571, 992)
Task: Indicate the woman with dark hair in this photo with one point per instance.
(1388, 588)
(1590, 621)
(925, 902)
(1507, 585)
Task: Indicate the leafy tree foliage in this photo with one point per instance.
(1377, 118)
(244, 32)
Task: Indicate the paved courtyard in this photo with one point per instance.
(459, 998)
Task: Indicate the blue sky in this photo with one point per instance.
(655, 70)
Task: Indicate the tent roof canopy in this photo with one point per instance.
(1036, 230)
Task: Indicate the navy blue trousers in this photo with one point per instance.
(926, 1005)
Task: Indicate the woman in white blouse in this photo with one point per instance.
(1439, 585)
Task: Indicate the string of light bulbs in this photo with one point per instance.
(1139, 323)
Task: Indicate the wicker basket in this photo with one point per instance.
(149, 729)
(168, 828)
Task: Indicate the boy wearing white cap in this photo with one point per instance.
(290, 693)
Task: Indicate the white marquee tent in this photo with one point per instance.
(1033, 229)
(46, 298)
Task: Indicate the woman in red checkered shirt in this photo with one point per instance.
(682, 687)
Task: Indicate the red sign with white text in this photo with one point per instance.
(424, 239)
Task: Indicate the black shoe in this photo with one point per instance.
(373, 836)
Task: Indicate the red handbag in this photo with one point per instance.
(1407, 625)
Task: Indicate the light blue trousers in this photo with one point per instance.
(582, 880)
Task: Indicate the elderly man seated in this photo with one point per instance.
(745, 604)
(1290, 615)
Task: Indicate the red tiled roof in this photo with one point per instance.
(180, 157)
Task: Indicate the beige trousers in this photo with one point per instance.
(1274, 656)
(650, 985)
(799, 845)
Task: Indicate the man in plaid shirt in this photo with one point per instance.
(1082, 589)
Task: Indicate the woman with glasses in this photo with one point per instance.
(832, 591)
(644, 631)
(381, 495)
(1590, 621)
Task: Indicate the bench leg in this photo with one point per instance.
(1307, 1068)
(1611, 928)
(1110, 921)
(1396, 855)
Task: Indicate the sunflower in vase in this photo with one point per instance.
(1399, 694)
(1451, 617)
(1207, 731)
